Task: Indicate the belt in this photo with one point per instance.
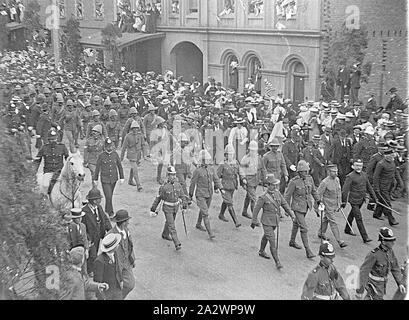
(376, 278)
(322, 297)
(171, 204)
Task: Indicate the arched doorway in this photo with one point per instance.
(253, 70)
(296, 78)
(187, 59)
(230, 64)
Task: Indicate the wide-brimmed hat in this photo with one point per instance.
(110, 242)
(93, 194)
(121, 215)
(238, 120)
(75, 213)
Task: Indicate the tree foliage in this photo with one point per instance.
(71, 48)
(32, 236)
(348, 48)
(110, 35)
(32, 19)
(4, 40)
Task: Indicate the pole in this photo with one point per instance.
(184, 222)
(385, 206)
(342, 211)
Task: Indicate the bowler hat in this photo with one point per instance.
(93, 194)
(121, 215)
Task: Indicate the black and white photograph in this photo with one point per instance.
(212, 154)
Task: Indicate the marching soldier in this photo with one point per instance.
(355, 188)
(93, 147)
(270, 202)
(202, 183)
(274, 162)
(95, 121)
(172, 195)
(325, 282)
(291, 152)
(54, 154)
(113, 127)
(384, 178)
(299, 192)
(228, 172)
(373, 274)
(329, 191)
(252, 173)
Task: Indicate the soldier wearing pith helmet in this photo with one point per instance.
(324, 282)
(373, 274)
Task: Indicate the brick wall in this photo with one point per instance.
(384, 20)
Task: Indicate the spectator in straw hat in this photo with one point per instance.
(107, 268)
(125, 252)
(97, 225)
(76, 284)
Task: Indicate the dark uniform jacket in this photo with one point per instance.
(300, 192)
(53, 155)
(384, 175)
(271, 203)
(377, 264)
(373, 161)
(109, 164)
(364, 150)
(355, 188)
(323, 283)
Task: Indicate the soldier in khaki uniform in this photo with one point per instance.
(325, 282)
(93, 147)
(373, 273)
(270, 202)
(300, 189)
(113, 127)
(329, 191)
(172, 195)
(95, 121)
(201, 181)
(252, 173)
(228, 172)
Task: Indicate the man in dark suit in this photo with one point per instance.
(340, 154)
(395, 103)
(97, 224)
(343, 80)
(107, 268)
(125, 253)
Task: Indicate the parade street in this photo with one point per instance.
(228, 267)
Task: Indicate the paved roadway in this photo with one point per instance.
(229, 267)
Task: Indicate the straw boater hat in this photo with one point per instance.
(110, 242)
(75, 213)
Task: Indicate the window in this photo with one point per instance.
(175, 7)
(61, 8)
(193, 6)
(158, 5)
(99, 9)
(255, 7)
(79, 13)
(286, 9)
(228, 8)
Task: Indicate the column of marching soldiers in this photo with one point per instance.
(315, 157)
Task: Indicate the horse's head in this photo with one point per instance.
(75, 166)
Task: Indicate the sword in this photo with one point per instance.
(385, 206)
(184, 222)
(342, 211)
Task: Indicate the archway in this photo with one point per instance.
(230, 64)
(296, 79)
(187, 59)
(253, 67)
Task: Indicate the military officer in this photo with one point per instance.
(113, 127)
(270, 202)
(181, 158)
(325, 282)
(54, 154)
(373, 274)
(92, 148)
(228, 172)
(133, 116)
(299, 192)
(201, 182)
(110, 167)
(329, 192)
(252, 173)
(274, 162)
(365, 147)
(375, 158)
(173, 196)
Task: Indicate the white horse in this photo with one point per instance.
(66, 191)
